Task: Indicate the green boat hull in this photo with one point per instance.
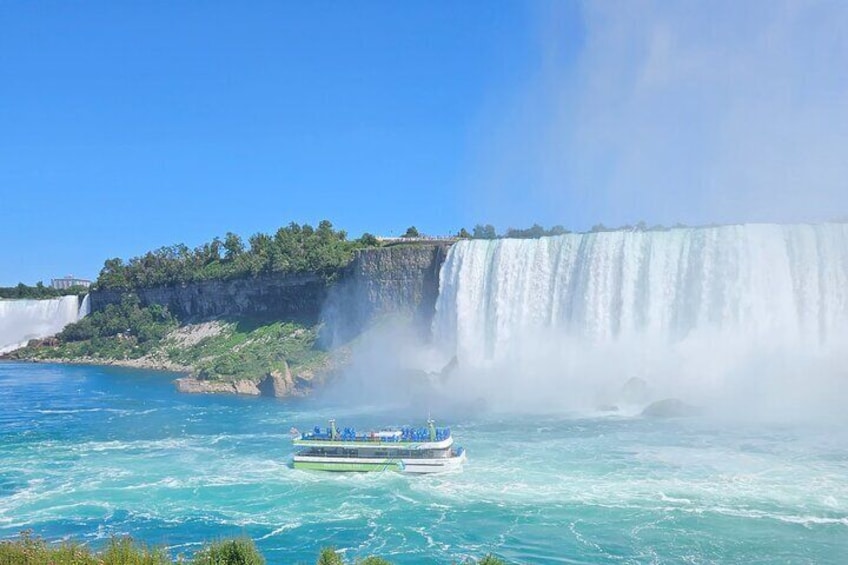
(387, 465)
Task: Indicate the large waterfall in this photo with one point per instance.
(686, 306)
(23, 320)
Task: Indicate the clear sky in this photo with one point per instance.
(128, 126)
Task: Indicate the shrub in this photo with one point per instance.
(374, 560)
(122, 551)
(30, 550)
(328, 556)
(491, 560)
(240, 551)
(369, 240)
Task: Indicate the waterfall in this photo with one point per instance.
(84, 307)
(693, 304)
(23, 320)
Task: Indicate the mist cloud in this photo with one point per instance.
(694, 112)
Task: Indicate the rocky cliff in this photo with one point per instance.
(265, 296)
(402, 280)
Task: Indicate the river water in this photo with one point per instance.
(91, 452)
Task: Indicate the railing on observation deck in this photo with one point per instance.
(407, 434)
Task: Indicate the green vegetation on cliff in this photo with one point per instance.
(294, 249)
(226, 350)
(39, 291)
(30, 550)
(245, 349)
(127, 326)
(121, 331)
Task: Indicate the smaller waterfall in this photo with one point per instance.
(23, 320)
(84, 308)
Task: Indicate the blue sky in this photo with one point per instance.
(127, 126)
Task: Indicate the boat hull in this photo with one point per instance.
(346, 464)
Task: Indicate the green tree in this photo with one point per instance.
(534, 232)
(484, 232)
(113, 274)
(463, 234)
(294, 248)
(233, 246)
(411, 231)
(369, 240)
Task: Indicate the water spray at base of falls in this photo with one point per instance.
(748, 317)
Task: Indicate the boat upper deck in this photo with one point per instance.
(403, 438)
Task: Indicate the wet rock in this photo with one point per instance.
(670, 408)
(277, 383)
(193, 385)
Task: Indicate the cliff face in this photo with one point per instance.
(266, 296)
(400, 280)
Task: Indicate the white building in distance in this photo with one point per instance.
(68, 282)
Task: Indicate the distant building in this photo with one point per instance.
(68, 282)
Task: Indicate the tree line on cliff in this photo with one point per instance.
(292, 249)
(38, 291)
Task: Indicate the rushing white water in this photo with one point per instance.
(84, 307)
(695, 307)
(23, 320)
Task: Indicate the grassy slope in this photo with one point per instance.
(248, 349)
(219, 350)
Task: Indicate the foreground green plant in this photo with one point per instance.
(230, 552)
(124, 551)
(328, 556)
(32, 550)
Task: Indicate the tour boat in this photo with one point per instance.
(407, 450)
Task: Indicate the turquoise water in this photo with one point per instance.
(89, 452)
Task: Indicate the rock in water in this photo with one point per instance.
(670, 408)
(277, 383)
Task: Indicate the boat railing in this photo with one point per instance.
(407, 435)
